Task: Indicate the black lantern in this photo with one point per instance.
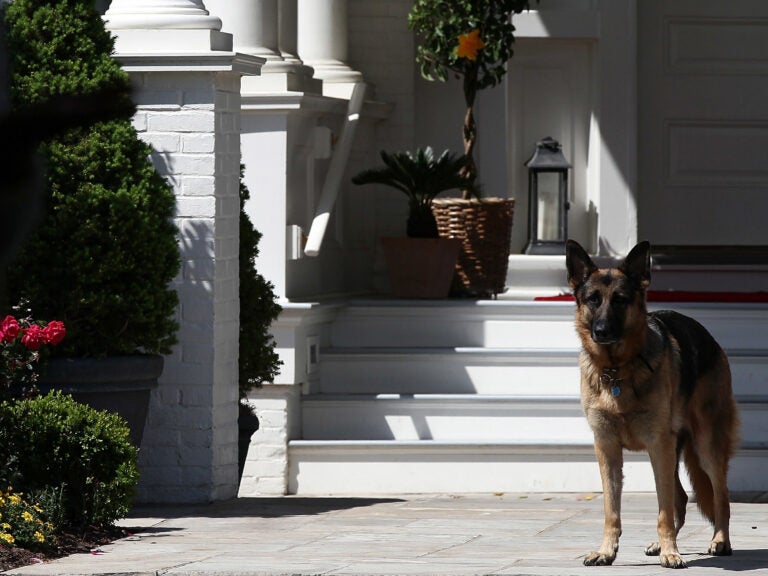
(547, 199)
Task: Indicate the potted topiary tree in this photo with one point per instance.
(421, 265)
(105, 251)
(472, 39)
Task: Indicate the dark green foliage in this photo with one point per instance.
(60, 47)
(56, 446)
(421, 177)
(106, 250)
(440, 23)
(258, 361)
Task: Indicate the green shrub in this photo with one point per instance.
(106, 250)
(258, 361)
(52, 442)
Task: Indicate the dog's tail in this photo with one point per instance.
(702, 486)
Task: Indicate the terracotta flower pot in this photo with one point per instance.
(420, 267)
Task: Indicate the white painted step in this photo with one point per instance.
(471, 417)
(455, 323)
(529, 372)
(511, 324)
(390, 467)
(494, 371)
(452, 417)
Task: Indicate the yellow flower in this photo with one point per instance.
(37, 507)
(7, 538)
(5, 526)
(469, 44)
(27, 516)
(15, 499)
(39, 537)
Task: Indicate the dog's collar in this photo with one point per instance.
(610, 376)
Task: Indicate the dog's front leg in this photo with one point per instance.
(664, 462)
(611, 461)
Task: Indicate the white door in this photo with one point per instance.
(703, 122)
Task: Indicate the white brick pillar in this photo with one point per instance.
(322, 44)
(189, 111)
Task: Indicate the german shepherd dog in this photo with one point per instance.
(656, 382)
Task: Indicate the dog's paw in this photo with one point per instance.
(653, 549)
(599, 559)
(672, 561)
(720, 548)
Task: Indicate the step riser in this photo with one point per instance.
(371, 422)
(530, 325)
(342, 473)
(488, 421)
(443, 376)
(456, 374)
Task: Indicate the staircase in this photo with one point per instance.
(483, 396)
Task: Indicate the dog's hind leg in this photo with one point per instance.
(721, 543)
(708, 454)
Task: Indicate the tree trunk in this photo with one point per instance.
(469, 130)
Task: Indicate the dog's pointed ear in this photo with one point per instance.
(578, 263)
(637, 264)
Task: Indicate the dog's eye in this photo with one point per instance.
(594, 299)
(620, 300)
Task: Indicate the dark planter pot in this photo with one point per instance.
(420, 267)
(120, 384)
(248, 424)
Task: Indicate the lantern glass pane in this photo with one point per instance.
(549, 206)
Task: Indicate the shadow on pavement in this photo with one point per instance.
(748, 560)
(277, 507)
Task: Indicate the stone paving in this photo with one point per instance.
(504, 534)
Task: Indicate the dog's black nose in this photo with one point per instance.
(602, 333)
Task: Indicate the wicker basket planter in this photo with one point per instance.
(485, 230)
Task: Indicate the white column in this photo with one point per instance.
(287, 23)
(181, 14)
(253, 25)
(162, 26)
(322, 44)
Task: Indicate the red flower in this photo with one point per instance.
(33, 337)
(9, 329)
(54, 332)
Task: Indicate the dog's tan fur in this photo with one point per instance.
(628, 351)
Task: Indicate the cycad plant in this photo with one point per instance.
(421, 177)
